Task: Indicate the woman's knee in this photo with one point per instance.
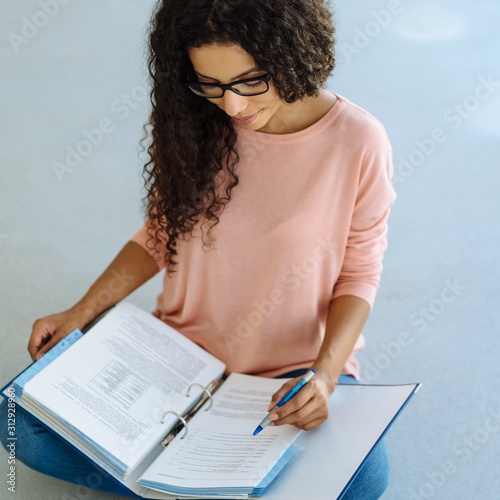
(4, 416)
(26, 433)
(381, 470)
(373, 478)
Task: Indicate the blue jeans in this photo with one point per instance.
(41, 450)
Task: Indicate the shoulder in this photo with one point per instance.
(367, 146)
(360, 130)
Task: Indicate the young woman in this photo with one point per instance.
(267, 205)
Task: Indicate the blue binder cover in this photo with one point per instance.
(36, 367)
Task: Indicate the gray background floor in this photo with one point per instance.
(422, 70)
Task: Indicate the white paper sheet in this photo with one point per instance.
(220, 449)
(115, 383)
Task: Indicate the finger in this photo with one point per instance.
(301, 399)
(314, 418)
(46, 347)
(37, 343)
(285, 389)
(312, 425)
(41, 334)
(318, 416)
(309, 399)
(282, 392)
(50, 344)
(304, 415)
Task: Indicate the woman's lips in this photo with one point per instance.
(247, 120)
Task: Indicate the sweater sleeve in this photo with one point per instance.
(367, 238)
(146, 238)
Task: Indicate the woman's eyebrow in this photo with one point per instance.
(251, 70)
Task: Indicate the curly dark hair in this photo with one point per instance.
(192, 140)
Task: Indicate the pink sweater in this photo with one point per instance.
(307, 223)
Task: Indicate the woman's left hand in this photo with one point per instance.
(309, 408)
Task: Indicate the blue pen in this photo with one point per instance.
(308, 376)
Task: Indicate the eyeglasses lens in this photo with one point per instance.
(246, 89)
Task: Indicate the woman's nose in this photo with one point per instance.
(233, 104)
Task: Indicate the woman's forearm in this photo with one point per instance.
(346, 317)
(132, 267)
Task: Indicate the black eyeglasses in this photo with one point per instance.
(248, 87)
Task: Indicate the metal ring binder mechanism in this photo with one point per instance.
(183, 420)
(205, 390)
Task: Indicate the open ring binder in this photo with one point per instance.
(208, 391)
(205, 390)
(181, 418)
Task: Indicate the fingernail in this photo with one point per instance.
(39, 355)
(274, 416)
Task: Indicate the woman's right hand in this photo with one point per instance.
(49, 330)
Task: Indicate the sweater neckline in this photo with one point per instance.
(312, 130)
